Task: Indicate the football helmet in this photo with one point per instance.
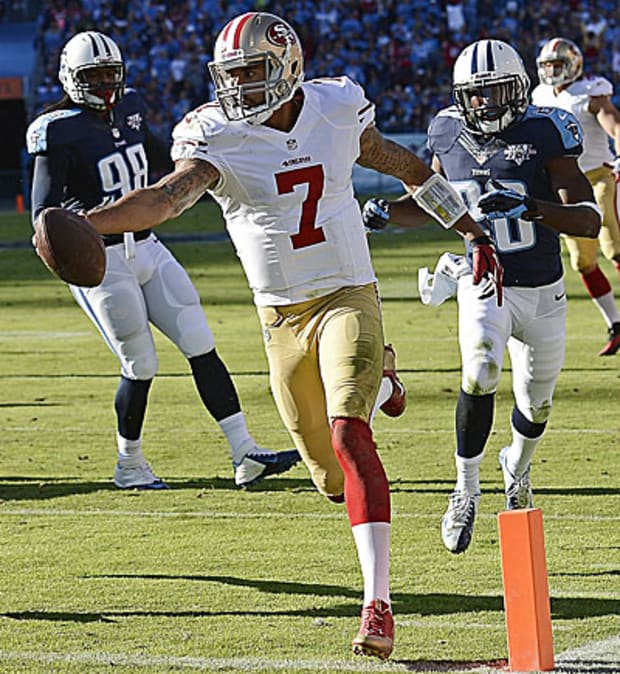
(568, 54)
(82, 75)
(256, 39)
(490, 86)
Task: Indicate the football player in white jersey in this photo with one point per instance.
(90, 148)
(563, 85)
(277, 154)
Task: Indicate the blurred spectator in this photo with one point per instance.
(403, 52)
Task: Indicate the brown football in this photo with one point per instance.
(70, 246)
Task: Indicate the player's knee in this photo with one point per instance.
(194, 337)
(481, 377)
(196, 343)
(328, 480)
(536, 412)
(144, 366)
(583, 264)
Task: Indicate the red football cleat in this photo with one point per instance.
(376, 635)
(613, 344)
(395, 405)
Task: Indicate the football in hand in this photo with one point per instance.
(70, 246)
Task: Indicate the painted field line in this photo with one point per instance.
(600, 657)
(43, 334)
(212, 514)
(450, 431)
(597, 657)
(201, 664)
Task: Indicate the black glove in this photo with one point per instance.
(376, 213)
(486, 264)
(504, 202)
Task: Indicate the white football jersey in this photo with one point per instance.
(287, 197)
(576, 99)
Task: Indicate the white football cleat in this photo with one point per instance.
(457, 525)
(518, 489)
(259, 463)
(135, 473)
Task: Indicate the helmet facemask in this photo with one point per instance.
(500, 101)
(99, 94)
(236, 99)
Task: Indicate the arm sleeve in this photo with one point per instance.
(48, 181)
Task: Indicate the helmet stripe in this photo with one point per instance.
(234, 28)
(94, 45)
(490, 59)
(99, 44)
(474, 59)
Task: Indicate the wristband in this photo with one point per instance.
(440, 200)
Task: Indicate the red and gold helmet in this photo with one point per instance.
(566, 58)
(252, 39)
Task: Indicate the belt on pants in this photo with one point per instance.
(115, 239)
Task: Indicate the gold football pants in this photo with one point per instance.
(325, 361)
(583, 251)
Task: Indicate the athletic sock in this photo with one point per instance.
(128, 449)
(468, 473)
(372, 540)
(385, 391)
(236, 431)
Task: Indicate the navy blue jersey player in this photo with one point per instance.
(90, 148)
(516, 167)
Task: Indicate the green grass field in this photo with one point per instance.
(204, 577)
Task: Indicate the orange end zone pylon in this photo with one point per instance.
(526, 590)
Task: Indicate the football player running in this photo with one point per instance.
(516, 167)
(563, 85)
(90, 148)
(277, 155)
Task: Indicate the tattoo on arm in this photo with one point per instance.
(386, 156)
(187, 183)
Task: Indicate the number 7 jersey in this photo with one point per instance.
(287, 197)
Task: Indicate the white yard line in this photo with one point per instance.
(599, 657)
(201, 664)
(212, 514)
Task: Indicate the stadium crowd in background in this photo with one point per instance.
(401, 52)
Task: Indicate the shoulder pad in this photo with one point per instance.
(342, 96)
(204, 131)
(564, 122)
(36, 135)
(541, 94)
(444, 130)
(592, 86)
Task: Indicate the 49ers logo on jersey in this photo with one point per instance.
(279, 34)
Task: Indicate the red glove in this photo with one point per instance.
(486, 264)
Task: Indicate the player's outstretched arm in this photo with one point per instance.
(166, 199)
(432, 195)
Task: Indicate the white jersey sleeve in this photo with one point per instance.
(287, 197)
